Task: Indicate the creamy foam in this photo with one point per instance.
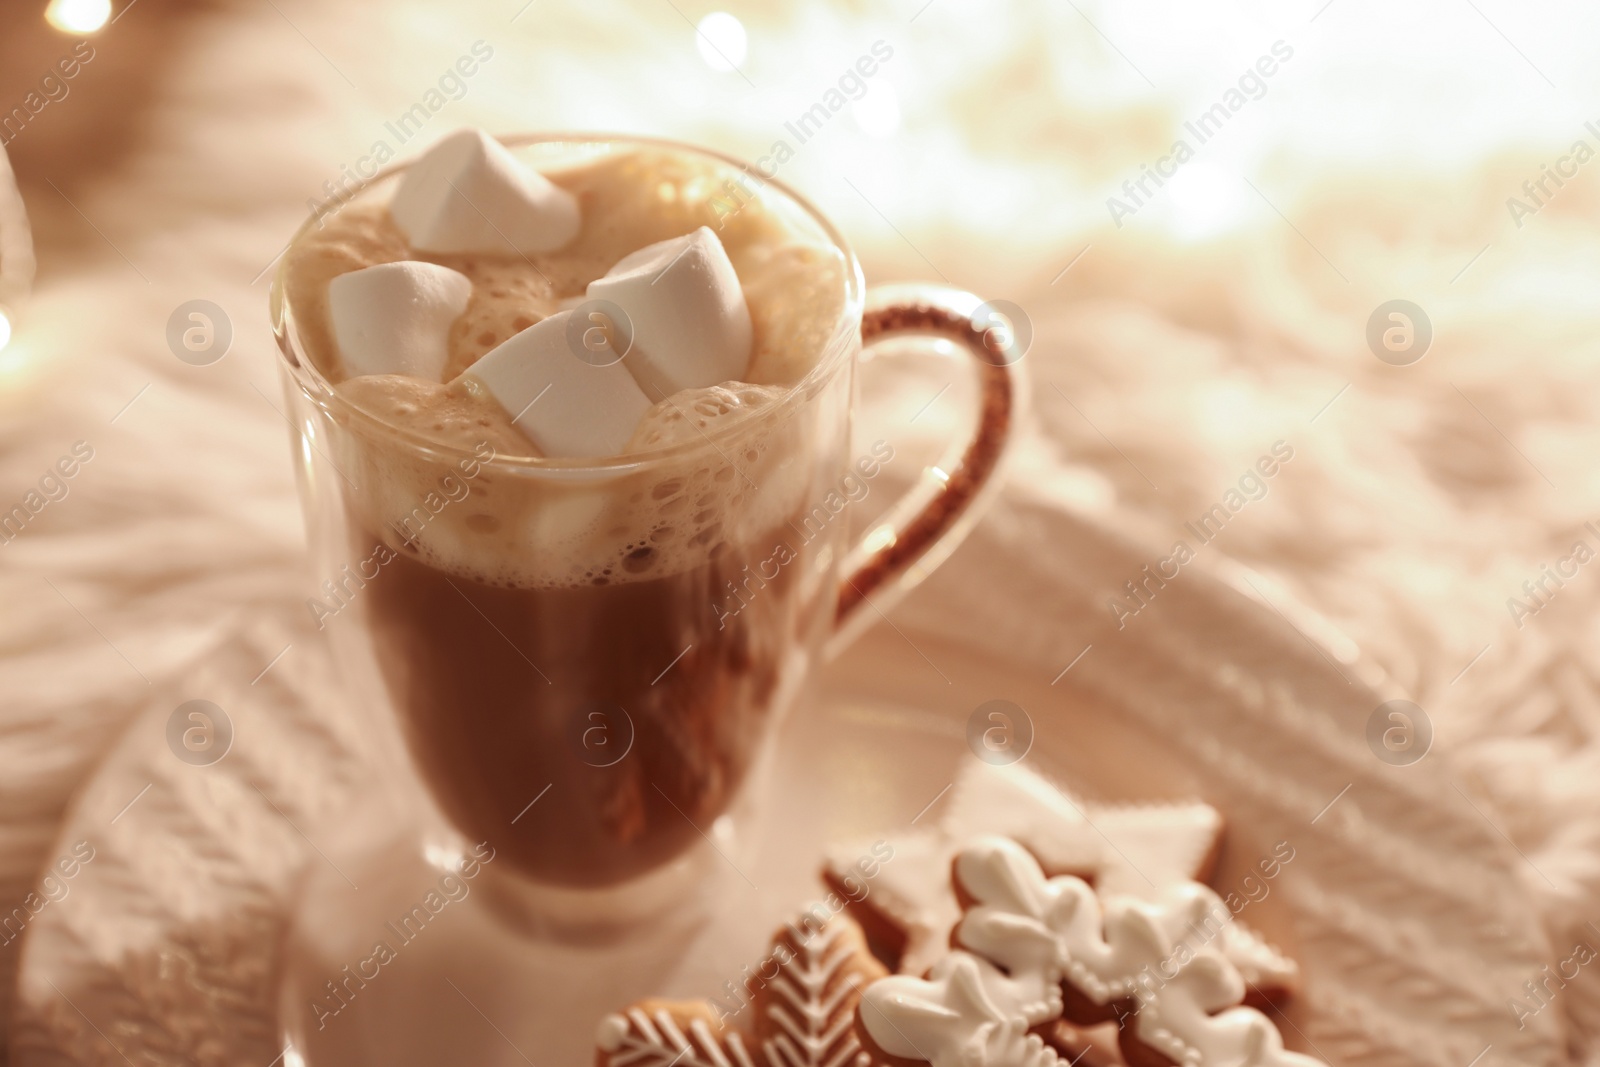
(497, 526)
(501, 527)
(793, 277)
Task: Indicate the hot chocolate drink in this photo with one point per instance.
(584, 656)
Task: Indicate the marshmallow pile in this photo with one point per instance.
(669, 317)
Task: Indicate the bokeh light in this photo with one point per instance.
(878, 112)
(78, 16)
(722, 41)
(1207, 200)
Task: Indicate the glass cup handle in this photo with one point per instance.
(921, 530)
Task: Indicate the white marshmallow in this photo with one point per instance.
(567, 406)
(395, 318)
(691, 327)
(469, 194)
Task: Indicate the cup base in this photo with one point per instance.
(672, 895)
(417, 951)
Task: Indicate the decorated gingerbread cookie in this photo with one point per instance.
(1076, 930)
(804, 1015)
(1032, 951)
(1155, 852)
(966, 1013)
(1174, 995)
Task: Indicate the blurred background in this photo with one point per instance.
(1337, 155)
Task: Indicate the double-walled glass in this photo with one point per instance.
(585, 657)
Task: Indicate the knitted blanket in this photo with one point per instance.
(1436, 512)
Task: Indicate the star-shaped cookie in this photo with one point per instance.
(1142, 851)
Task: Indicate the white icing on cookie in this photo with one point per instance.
(1260, 963)
(1139, 850)
(959, 1016)
(1043, 930)
(1194, 915)
(654, 1039)
(1178, 1022)
(811, 1025)
(1153, 954)
(1009, 1044)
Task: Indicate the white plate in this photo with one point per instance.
(1400, 903)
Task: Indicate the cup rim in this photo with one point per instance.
(317, 389)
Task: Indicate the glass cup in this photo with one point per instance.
(592, 731)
